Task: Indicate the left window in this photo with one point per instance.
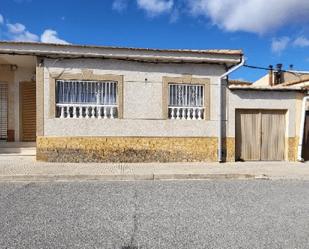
(86, 99)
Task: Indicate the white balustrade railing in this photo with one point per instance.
(186, 113)
(86, 111)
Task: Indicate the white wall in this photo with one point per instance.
(142, 104)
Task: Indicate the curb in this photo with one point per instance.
(128, 177)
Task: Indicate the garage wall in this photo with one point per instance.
(267, 100)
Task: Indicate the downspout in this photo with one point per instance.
(242, 62)
(301, 130)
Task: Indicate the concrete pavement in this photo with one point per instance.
(25, 168)
(223, 214)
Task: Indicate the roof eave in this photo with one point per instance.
(153, 55)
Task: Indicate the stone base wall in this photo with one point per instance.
(127, 149)
(292, 148)
(140, 149)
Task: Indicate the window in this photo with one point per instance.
(86, 99)
(186, 101)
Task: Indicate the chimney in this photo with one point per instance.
(278, 74)
(271, 73)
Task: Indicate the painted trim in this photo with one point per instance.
(39, 98)
(86, 74)
(186, 79)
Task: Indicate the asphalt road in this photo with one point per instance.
(178, 214)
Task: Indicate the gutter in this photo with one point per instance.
(242, 62)
(301, 130)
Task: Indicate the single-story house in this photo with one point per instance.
(112, 104)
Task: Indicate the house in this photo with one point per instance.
(269, 118)
(111, 104)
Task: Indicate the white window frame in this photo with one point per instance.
(181, 103)
(90, 99)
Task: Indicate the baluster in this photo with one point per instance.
(74, 112)
(199, 114)
(194, 114)
(81, 108)
(177, 113)
(87, 111)
(61, 111)
(188, 117)
(105, 112)
(100, 112)
(188, 113)
(112, 112)
(172, 113)
(92, 112)
(182, 113)
(68, 112)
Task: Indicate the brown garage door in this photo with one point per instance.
(28, 108)
(260, 135)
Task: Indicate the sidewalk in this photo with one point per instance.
(25, 168)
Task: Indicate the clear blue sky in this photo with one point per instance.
(268, 35)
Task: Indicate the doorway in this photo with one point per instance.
(28, 111)
(260, 135)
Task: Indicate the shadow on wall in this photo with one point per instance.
(265, 95)
(148, 67)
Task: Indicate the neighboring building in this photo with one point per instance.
(110, 104)
(268, 117)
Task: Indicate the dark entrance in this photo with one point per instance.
(305, 151)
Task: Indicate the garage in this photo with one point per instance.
(260, 135)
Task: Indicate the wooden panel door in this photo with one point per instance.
(260, 135)
(273, 135)
(3, 111)
(28, 108)
(248, 135)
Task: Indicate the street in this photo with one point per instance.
(155, 214)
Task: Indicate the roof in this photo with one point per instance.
(201, 51)
(240, 82)
(266, 88)
(222, 56)
(295, 82)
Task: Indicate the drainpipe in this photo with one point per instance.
(242, 62)
(302, 128)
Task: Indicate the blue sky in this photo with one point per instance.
(269, 31)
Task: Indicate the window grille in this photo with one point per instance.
(86, 99)
(186, 101)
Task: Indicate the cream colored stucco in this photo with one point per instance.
(268, 100)
(142, 99)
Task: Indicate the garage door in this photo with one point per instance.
(28, 102)
(260, 135)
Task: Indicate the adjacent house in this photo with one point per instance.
(269, 118)
(111, 104)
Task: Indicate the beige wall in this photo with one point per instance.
(288, 100)
(142, 103)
